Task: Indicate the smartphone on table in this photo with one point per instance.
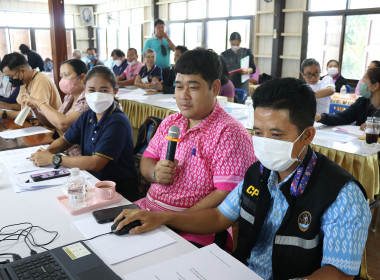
(109, 214)
(49, 175)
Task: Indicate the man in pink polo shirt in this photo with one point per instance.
(215, 149)
(127, 78)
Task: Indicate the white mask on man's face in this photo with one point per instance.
(99, 102)
(275, 154)
(132, 62)
(235, 48)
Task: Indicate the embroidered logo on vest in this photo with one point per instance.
(304, 220)
(252, 191)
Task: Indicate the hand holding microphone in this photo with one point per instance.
(165, 169)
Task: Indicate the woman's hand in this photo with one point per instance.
(42, 157)
(32, 102)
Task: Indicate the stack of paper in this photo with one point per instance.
(117, 248)
(137, 94)
(334, 136)
(15, 133)
(207, 263)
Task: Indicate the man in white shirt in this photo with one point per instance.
(323, 89)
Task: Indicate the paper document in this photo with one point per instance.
(169, 101)
(244, 64)
(318, 125)
(208, 263)
(349, 129)
(137, 94)
(11, 134)
(117, 248)
(18, 156)
(333, 136)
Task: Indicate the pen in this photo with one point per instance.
(342, 129)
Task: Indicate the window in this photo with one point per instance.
(70, 42)
(4, 48)
(177, 11)
(39, 20)
(242, 7)
(362, 4)
(137, 15)
(176, 31)
(18, 37)
(361, 44)
(324, 39)
(13, 19)
(197, 9)
(136, 38)
(123, 35)
(216, 35)
(3, 18)
(69, 21)
(193, 35)
(243, 27)
(327, 5)
(43, 43)
(218, 8)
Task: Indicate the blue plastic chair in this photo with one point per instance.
(240, 95)
(334, 108)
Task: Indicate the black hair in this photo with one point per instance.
(118, 53)
(13, 60)
(92, 49)
(104, 72)
(224, 76)
(182, 49)
(235, 36)
(376, 62)
(288, 94)
(24, 49)
(78, 65)
(373, 75)
(200, 61)
(158, 21)
(309, 62)
(133, 49)
(332, 60)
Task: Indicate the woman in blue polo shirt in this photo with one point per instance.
(150, 74)
(104, 134)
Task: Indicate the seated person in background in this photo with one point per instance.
(316, 229)
(366, 106)
(227, 88)
(333, 68)
(214, 152)
(254, 78)
(150, 74)
(373, 64)
(92, 56)
(104, 134)
(48, 65)
(128, 77)
(5, 85)
(323, 89)
(11, 99)
(77, 54)
(120, 62)
(34, 59)
(167, 84)
(31, 83)
(73, 73)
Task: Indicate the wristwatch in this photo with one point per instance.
(154, 175)
(4, 115)
(57, 160)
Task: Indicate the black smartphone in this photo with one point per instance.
(49, 175)
(109, 214)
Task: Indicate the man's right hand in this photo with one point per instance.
(165, 171)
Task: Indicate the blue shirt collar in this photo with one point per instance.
(109, 111)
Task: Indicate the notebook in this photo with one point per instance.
(73, 261)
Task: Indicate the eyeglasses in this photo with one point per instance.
(150, 57)
(309, 75)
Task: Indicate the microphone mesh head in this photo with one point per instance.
(174, 131)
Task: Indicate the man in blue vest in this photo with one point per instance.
(300, 215)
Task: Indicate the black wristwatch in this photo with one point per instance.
(4, 115)
(57, 161)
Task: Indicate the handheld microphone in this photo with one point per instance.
(174, 133)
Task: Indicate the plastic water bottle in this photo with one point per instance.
(76, 189)
(343, 90)
(249, 111)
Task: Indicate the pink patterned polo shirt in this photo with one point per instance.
(213, 155)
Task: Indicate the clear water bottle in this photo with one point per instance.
(343, 90)
(249, 111)
(76, 189)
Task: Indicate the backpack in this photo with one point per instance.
(146, 132)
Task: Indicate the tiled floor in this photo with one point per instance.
(373, 253)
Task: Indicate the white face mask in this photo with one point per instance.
(333, 71)
(235, 48)
(99, 102)
(274, 154)
(117, 62)
(132, 63)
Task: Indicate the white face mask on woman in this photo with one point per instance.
(235, 48)
(333, 71)
(99, 102)
(275, 154)
(117, 62)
